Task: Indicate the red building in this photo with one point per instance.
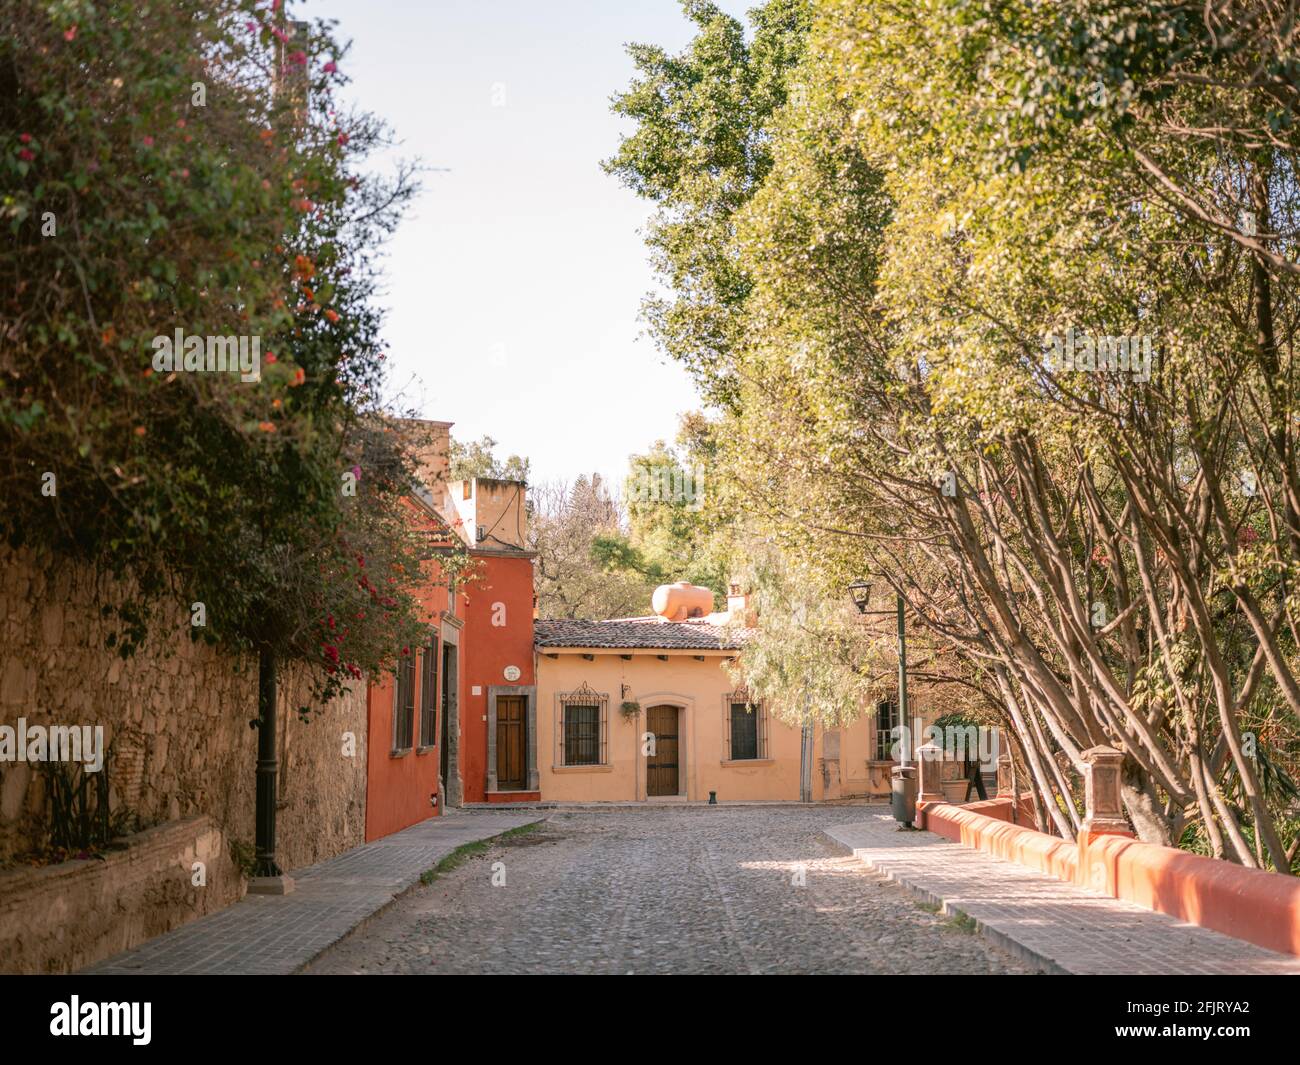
(458, 724)
(497, 756)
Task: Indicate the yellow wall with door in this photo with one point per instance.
(699, 689)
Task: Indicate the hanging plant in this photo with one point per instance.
(630, 708)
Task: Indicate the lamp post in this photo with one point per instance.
(903, 778)
(861, 594)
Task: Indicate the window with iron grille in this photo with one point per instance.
(404, 704)
(746, 728)
(429, 695)
(584, 716)
(886, 722)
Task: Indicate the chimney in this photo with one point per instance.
(493, 513)
(738, 604)
(428, 443)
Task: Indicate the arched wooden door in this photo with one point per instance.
(661, 776)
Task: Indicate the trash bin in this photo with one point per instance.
(902, 793)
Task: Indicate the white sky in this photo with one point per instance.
(514, 286)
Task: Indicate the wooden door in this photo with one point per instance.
(511, 740)
(449, 689)
(661, 766)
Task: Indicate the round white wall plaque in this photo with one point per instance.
(512, 673)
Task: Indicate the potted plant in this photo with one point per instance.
(630, 709)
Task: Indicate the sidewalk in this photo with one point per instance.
(266, 934)
(1045, 921)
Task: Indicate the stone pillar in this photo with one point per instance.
(1104, 821)
(1104, 811)
(1006, 785)
(929, 765)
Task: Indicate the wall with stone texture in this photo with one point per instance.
(176, 716)
(59, 918)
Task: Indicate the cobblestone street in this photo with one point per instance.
(743, 889)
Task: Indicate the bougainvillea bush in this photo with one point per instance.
(184, 166)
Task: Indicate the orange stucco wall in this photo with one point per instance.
(400, 785)
(498, 634)
(1251, 904)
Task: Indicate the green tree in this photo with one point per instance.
(700, 148)
(953, 184)
(672, 532)
(477, 458)
(572, 578)
(189, 168)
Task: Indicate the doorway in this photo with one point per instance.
(662, 763)
(448, 709)
(512, 742)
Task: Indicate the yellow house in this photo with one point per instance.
(637, 709)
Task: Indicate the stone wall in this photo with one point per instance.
(58, 918)
(176, 717)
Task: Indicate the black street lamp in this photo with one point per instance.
(861, 594)
(903, 777)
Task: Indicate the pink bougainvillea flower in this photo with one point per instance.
(297, 59)
(26, 138)
(180, 123)
(299, 377)
(70, 34)
(356, 472)
(26, 154)
(344, 138)
(147, 142)
(331, 67)
(270, 356)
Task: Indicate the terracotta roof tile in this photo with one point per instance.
(640, 633)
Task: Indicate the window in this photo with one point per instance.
(583, 723)
(404, 704)
(429, 695)
(746, 726)
(582, 735)
(886, 721)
